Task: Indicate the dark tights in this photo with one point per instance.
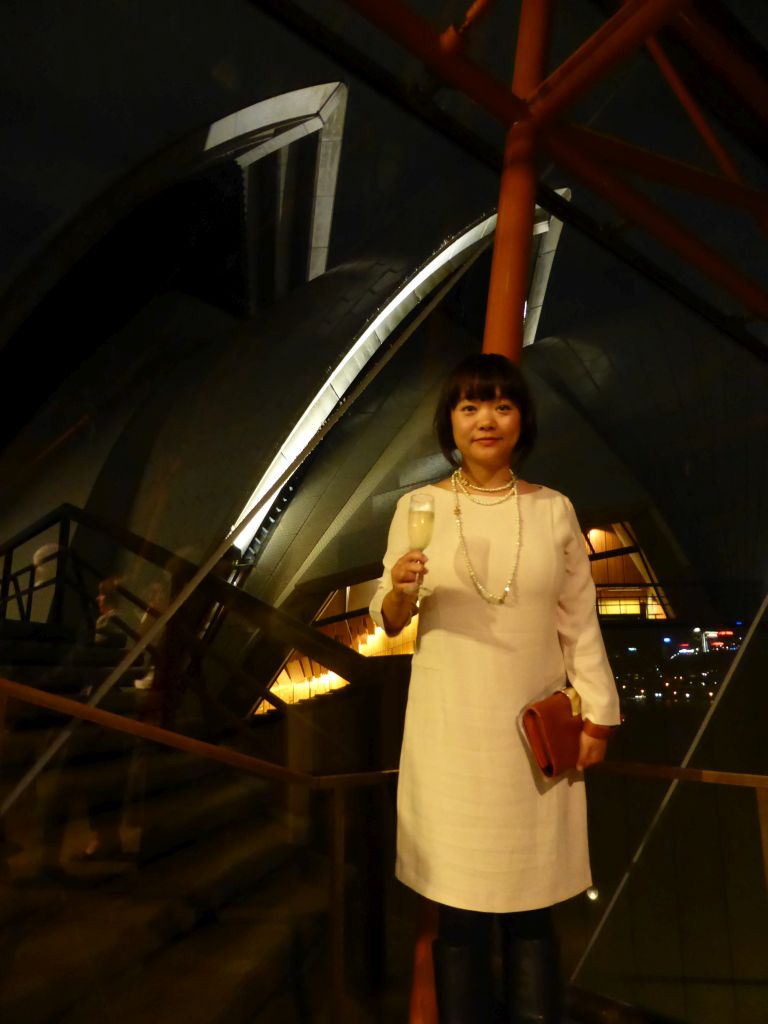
(529, 969)
(474, 928)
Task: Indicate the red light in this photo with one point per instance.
(725, 632)
(683, 645)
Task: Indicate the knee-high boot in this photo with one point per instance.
(462, 984)
(532, 984)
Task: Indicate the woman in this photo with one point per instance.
(508, 613)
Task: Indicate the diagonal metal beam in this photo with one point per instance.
(626, 156)
(421, 38)
(317, 34)
(692, 109)
(454, 38)
(641, 18)
(714, 48)
(604, 50)
(651, 218)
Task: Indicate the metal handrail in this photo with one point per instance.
(201, 748)
(642, 770)
(267, 769)
(278, 624)
(336, 784)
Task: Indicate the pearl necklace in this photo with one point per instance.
(459, 479)
(486, 594)
(466, 482)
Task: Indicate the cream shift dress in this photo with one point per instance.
(479, 827)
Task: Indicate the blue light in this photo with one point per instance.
(667, 639)
(739, 622)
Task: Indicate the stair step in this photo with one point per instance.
(119, 768)
(225, 971)
(89, 940)
(212, 872)
(30, 729)
(12, 629)
(55, 652)
(67, 679)
(173, 820)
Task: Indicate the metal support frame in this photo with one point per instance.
(713, 47)
(629, 28)
(510, 269)
(453, 38)
(616, 40)
(641, 211)
(644, 163)
(692, 109)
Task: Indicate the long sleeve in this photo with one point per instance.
(578, 629)
(397, 545)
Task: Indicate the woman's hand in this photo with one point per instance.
(397, 607)
(408, 572)
(591, 751)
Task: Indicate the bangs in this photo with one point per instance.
(481, 386)
(481, 378)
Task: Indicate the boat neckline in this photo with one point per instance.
(523, 494)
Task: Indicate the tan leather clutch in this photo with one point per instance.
(552, 727)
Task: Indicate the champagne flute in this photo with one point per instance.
(421, 521)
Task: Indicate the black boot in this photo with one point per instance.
(462, 984)
(532, 982)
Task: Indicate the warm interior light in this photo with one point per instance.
(294, 685)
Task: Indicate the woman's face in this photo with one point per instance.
(486, 432)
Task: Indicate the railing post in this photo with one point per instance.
(57, 602)
(338, 846)
(5, 583)
(761, 795)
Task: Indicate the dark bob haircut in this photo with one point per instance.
(482, 377)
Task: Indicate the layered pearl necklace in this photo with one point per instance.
(467, 487)
(460, 483)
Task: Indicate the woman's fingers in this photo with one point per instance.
(591, 751)
(409, 569)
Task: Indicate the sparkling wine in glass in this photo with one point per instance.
(421, 520)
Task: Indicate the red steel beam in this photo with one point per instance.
(624, 32)
(648, 164)
(400, 23)
(691, 107)
(475, 12)
(452, 39)
(715, 49)
(395, 19)
(510, 269)
(641, 211)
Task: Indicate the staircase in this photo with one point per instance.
(204, 906)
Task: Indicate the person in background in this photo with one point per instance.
(46, 565)
(507, 614)
(156, 600)
(177, 659)
(107, 628)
